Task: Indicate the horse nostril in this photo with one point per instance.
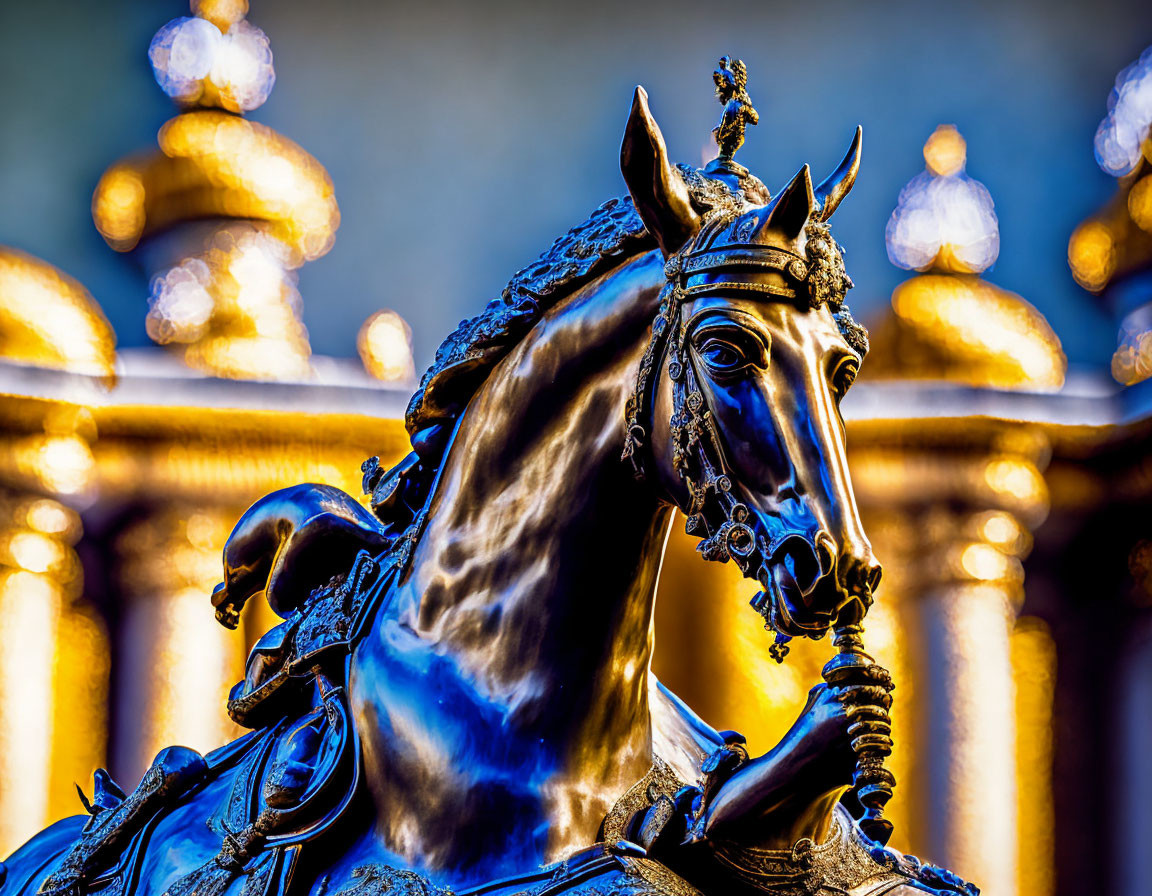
(874, 574)
(825, 553)
(799, 557)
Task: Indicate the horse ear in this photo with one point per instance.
(836, 186)
(660, 194)
(793, 206)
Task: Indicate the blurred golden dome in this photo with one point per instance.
(948, 323)
(49, 320)
(958, 327)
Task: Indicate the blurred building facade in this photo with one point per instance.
(1004, 495)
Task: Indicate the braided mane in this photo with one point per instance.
(612, 233)
(463, 361)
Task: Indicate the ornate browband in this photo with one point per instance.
(751, 265)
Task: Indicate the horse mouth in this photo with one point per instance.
(802, 585)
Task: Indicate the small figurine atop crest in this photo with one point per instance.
(731, 80)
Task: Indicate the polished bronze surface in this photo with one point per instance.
(460, 690)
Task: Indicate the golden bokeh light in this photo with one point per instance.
(1092, 255)
(385, 346)
(221, 13)
(235, 306)
(1140, 203)
(232, 300)
(59, 464)
(118, 206)
(984, 562)
(216, 164)
(946, 151)
(1017, 478)
(50, 518)
(1004, 532)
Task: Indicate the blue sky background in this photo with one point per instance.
(463, 137)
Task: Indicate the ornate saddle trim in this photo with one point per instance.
(842, 863)
(601, 870)
(659, 781)
(108, 833)
(318, 635)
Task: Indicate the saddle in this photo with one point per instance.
(300, 769)
(295, 775)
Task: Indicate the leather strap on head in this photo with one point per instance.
(746, 268)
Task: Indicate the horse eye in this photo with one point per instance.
(722, 356)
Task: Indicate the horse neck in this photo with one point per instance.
(537, 570)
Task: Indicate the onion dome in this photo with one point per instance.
(226, 210)
(948, 322)
(1111, 253)
(47, 319)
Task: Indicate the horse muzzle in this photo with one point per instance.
(806, 584)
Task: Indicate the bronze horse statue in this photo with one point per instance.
(459, 698)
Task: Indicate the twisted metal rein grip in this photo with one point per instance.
(871, 727)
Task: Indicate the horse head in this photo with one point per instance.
(737, 402)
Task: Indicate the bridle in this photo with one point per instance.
(715, 512)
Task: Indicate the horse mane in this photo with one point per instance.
(612, 233)
(463, 361)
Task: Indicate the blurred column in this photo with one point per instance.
(1034, 672)
(1133, 774)
(966, 513)
(176, 664)
(1131, 733)
(53, 644)
(970, 490)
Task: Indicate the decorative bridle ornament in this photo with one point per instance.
(415, 718)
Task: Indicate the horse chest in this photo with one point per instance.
(451, 773)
